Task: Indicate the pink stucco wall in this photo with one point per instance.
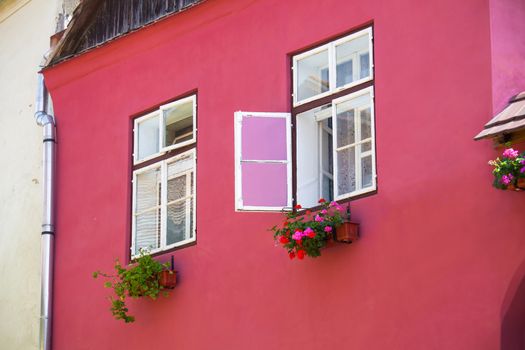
(507, 30)
(440, 251)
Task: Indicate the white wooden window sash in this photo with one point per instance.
(189, 198)
(357, 144)
(162, 129)
(332, 64)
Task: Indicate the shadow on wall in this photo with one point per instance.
(513, 313)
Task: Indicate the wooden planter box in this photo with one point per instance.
(168, 279)
(348, 232)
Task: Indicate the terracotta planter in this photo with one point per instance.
(520, 186)
(348, 232)
(168, 279)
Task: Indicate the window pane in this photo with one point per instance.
(364, 65)
(366, 171)
(345, 125)
(345, 72)
(353, 53)
(366, 126)
(177, 222)
(147, 228)
(327, 146)
(179, 218)
(346, 171)
(148, 190)
(148, 137)
(366, 146)
(176, 188)
(178, 123)
(328, 189)
(312, 75)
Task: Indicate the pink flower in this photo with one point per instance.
(324, 211)
(522, 161)
(510, 153)
(507, 179)
(318, 218)
(298, 235)
(308, 232)
(328, 229)
(522, 170)
(333, 204)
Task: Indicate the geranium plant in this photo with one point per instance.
(508, 169)
(140, 279)
(305, 233)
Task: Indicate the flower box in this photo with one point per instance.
(520, 185)
(168, 279)
(347, 232)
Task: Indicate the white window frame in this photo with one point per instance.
(163, 164)
(239, 205)
(332, 66)
(160, 114)
(162, 127)
(358, 156)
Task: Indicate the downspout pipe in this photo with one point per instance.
(47, 122)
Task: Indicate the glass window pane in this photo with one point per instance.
(178, 123)
(176, 188)
(366, 125)
(345, 125)
(177, 222)
(352, 53)
(345, 72)
(147, 228)
(312, 75)
(366, 171)
(147, 137)
(366, 146)
(327, 146)
(346, 171)
(364, 65)
(328, 188)
(147, 190)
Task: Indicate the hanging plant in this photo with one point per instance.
(146, 277)
(306, 233)
(509, 170)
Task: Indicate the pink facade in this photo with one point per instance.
(440, 262)
(508, 50)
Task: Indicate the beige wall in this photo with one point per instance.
(25, 28)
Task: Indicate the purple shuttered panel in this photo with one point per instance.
(263, 167)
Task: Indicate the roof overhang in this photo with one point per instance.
(508, 121)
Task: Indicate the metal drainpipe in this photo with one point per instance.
(47, 121)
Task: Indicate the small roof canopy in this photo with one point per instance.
(96, 22)
(508, 121)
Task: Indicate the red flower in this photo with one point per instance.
(284, 240)
(308, 212)
(322, 200)
(285, 223)
(300, 254)
(311, 234)
(291, 255)
(298, 206)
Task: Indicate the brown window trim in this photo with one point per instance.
(321, 102)
(167, 155)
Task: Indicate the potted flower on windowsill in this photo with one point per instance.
(306, 233)
(509, 170)
(146, 277)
